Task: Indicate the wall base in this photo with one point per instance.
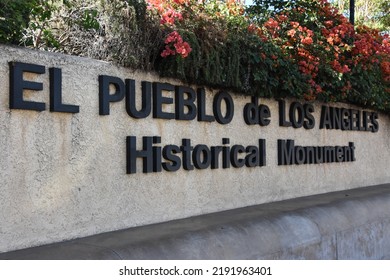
(353, 224)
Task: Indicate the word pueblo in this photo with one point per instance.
(187, 103)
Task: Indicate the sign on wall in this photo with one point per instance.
(188, 104)
(88, 147)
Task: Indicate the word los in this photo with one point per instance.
(191, 157)
(299, 115)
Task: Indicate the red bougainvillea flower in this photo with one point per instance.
(307, 41)
(291, 32)
(294, 24)
(175, 45)
(385, 67)
(170, 13)
(272, 24)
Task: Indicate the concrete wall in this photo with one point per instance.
(351, 224)
(64, 175)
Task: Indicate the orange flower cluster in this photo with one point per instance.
(370, 46)
(167, 10)
(308, 65)
(170, 12)
(337, 33)
(235, 7)
(385, 64)
(327, 11)
(175, 45)
(313, 43)
(385, 67)
(328, 44)
(304, 34)
(296, 41)
(254, 29)
(176, 14)
(272, 27)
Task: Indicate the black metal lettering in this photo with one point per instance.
(300, 155)
(310, 155)
(262, 152)
(157, 166)
(346, 123)
(252, 158)
(237, 162)
(286, 152)
(169, 153)
(264, 115)
(319, 155)
(251, 114)
(186, 149)
(225, 153)
(56, 104)
(325, 121)
(17, 85)
(336, 117)
(159, 100)
(201, 157)
(215, 152)
(352, 149)
(339, 154)
(310, 122)
(146, 154)
(105, 98)
(282, 114)
(218, 98)
(329, 154)
(355, 119)
(202, 116)
(296, 114)
(146, 106)
(181, 103)
(374, 121)
(366, 116)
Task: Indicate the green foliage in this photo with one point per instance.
(275, 48)
(368, 89)
(14, 17)
(89, 20)
(39, 31)
(261, 10)
(372, 13)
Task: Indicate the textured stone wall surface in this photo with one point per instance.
(63, 175)
(346, 225)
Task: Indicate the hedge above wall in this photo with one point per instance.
(306, 50)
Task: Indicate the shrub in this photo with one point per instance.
(14, 18)
(300, 48)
